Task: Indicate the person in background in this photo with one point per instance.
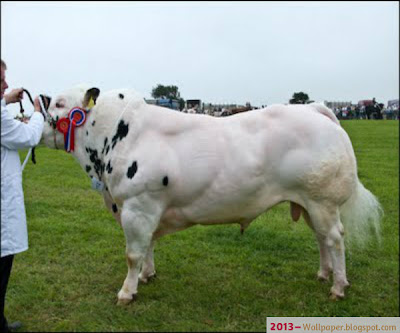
(14, 235)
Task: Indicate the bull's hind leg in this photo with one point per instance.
(138, 227)
(329, 230)
(325, 262)
(335, 242)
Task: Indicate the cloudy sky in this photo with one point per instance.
(220, 52)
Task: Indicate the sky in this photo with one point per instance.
(219, 52)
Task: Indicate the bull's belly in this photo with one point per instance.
(223, 210)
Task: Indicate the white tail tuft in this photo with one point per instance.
(361, 216)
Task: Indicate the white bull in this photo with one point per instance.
(165, 171)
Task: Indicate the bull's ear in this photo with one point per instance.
(90, 98)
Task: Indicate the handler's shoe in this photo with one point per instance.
(14, 326)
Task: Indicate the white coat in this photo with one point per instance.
(15, 135)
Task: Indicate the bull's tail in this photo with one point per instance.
(325, 111)
(361, 215)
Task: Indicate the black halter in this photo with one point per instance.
(44, 105)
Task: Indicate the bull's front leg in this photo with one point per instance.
(112, 206)
(138, 227)
(148, 270)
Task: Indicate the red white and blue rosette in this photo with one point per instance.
(76, 118)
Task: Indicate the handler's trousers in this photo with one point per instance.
(5, 270)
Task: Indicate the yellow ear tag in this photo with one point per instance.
(91, 103)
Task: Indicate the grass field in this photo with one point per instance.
(208, 278)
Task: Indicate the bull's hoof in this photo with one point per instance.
(125, 299)
(322, 277)
(335, 295)
(147, 279)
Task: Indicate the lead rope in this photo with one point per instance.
(44, 102)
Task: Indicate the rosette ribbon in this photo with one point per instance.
(76, 118)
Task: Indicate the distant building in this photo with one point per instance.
(337, 104)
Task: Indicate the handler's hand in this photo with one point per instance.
(36, 104)
(14, 96)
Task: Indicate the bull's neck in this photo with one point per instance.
(99, 135)
(91, 143)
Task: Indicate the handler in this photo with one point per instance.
(14, 235)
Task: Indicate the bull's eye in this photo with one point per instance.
(59, 105)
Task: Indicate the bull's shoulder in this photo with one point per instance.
(144, 165)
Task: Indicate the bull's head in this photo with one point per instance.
(80, 96)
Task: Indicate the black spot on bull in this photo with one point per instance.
(105, 144)
(88, 168)
(94, 122)
(132, 170)
(97, 163)
(165, 181)
(109, 167)
(114, 208)
(121, 96)
(122, 132)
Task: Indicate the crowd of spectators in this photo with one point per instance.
(369, 109)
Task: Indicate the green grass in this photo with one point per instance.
(208, 278)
